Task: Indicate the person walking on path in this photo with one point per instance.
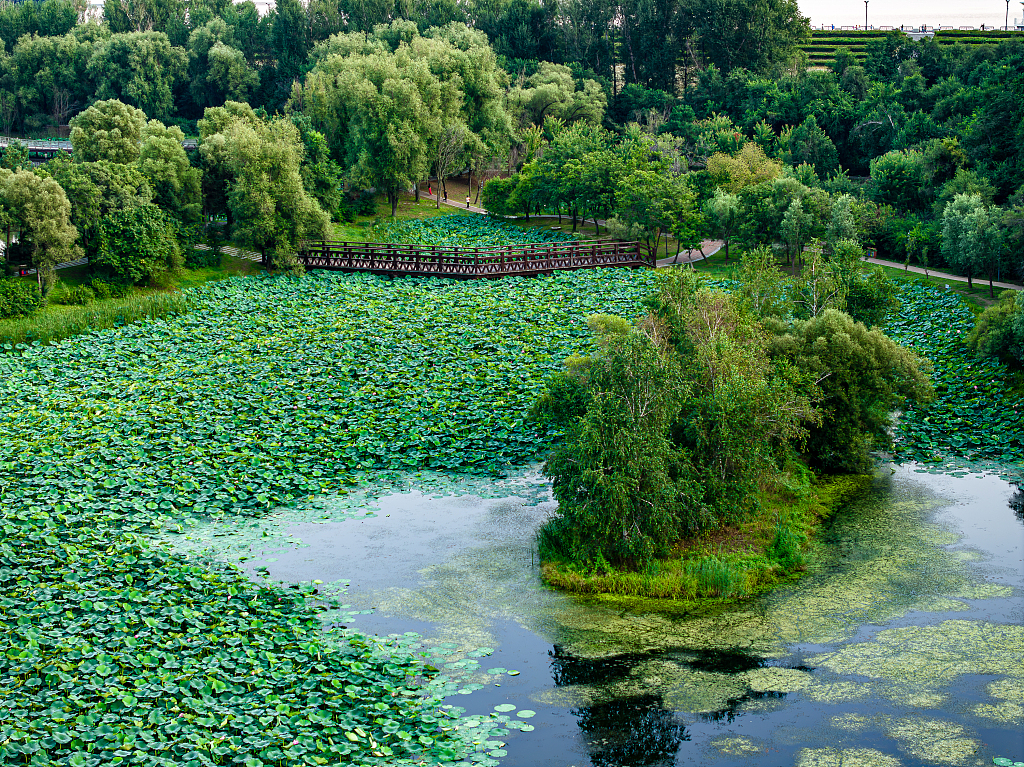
(467, 202)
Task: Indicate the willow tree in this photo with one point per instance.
(40, 210)
(259, 162)
(386, 102)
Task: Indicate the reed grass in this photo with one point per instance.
(55, 322)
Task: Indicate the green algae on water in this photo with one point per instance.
(845, 757)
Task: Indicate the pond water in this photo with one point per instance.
(903, 645)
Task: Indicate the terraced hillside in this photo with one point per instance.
(821, 50)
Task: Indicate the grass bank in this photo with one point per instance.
(730, 563)
(55, 322)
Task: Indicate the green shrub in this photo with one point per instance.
(202, 259)
(137, 244)
(787, 546)
(999, 331)
(71, 295)
(104, 289)
(19, 298)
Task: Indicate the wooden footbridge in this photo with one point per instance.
(467, 263)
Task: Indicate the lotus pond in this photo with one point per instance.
(457, 231)
(282, 401)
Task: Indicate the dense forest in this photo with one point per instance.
(672, 121)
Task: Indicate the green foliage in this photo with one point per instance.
(552, 91)
(808, 143)
(724, 216)
(1000, 330)
(104, 289)
(108, 130)
(137, 244)
(323, 178)
(40, 210)
(71, 295)
(201, 258)
(16, 156)
(971, 240)
(862, 375)
(762, 286)
(19, 298)
(622, 495)
(384, 111)
(176, 185)
(667, 430)
(900, 179)
(871, 297)
(139, 68)
(271, 209)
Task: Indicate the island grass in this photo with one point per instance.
(731, 563)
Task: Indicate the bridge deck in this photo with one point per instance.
(463, 263)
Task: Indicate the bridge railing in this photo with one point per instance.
(396, 258)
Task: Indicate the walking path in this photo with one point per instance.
(940, 275)
(231, 250)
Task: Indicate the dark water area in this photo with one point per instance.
(903, 645)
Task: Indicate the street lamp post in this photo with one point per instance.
(1006, 24)
(866, 14)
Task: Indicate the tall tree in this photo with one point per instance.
(41, 212)
(108, 130)
(175, 183)
(140, 68)
(760, 35)
(725, 214)
(271, 209)
(971, 239)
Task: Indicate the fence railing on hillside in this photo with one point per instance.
(463, 263)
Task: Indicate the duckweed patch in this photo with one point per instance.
(845, 757)
(736, 746)
(923, 657)
(933, 740)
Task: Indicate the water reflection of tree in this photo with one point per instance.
(1017, 503)
(627, 732)
(634, 731)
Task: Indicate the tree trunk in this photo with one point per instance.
(727, 250)
(991, 289)
(393, 199)
(970, 286)
(572, 210)
(416, 189)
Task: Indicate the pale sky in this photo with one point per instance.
(912, 13)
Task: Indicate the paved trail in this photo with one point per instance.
(941, 275)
